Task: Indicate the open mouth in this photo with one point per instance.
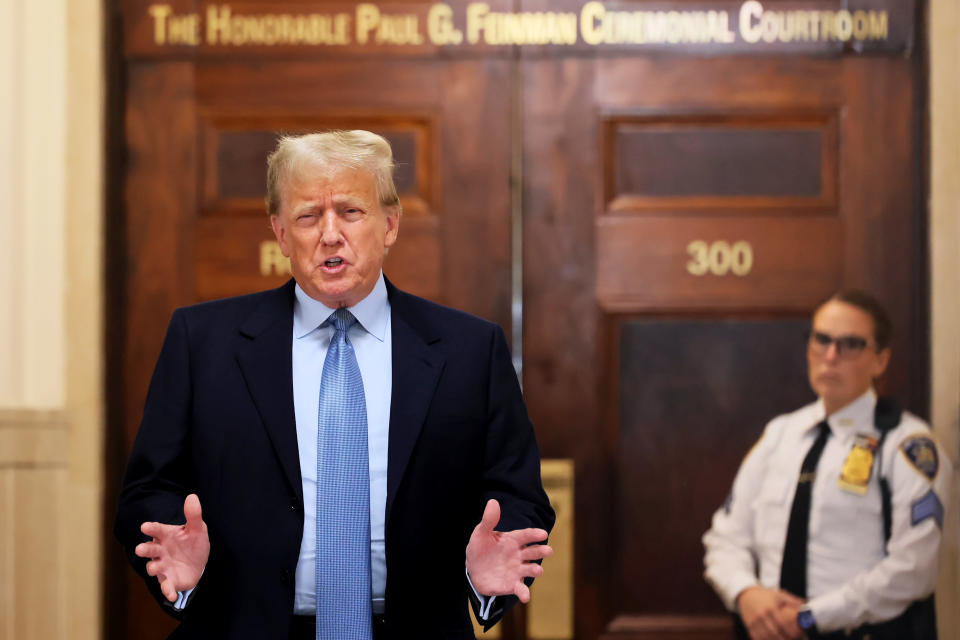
(333, 266)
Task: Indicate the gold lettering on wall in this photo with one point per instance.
(386, 28)
(599, 26)
(272, 260)
(169, 28)
(502, 28)
(371, 24)
(758, 25)
(225, 28)
(719, 258)
(440, 26)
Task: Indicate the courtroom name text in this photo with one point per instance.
(439, 25)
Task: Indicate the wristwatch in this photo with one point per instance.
(805, 620)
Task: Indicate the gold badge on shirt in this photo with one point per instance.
(858, 466)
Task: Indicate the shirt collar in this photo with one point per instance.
(372, 312)
(856, 414)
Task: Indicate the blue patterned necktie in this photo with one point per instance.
(343, 494)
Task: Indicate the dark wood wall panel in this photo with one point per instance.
(236, 146)
(694, 396)
(459, 118)
(235, 249)
(240, 157)
(196, 131)
(232, 255)
(476, 142)
(655, 262)
(562, 370)
(667, 627)
(160, 193)
(684, 161)
(719, 84)
(884, 231)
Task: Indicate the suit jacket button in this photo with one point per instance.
(294, 505)
(286, 576)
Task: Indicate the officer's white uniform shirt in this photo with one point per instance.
(850, 579)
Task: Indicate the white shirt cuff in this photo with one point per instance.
(485, 601)
(184, 596)
(733, 587)
(828, 611)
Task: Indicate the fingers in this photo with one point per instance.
(155, 568)
(531, 570)
(169, 591)
(522, 592)
(759, 608)
(192, 511)
(528, 536)
(781, 631)
(491, 515)
(772, 628)
(536, 552)
(787, 620)
(765, 629)
(148, 550)
(767, 613)
(757, 631)
(788, 598)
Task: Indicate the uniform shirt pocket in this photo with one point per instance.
(772, 509)
(848, 525)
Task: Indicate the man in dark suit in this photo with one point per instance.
(343, 437)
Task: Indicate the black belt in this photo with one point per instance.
(305, 627)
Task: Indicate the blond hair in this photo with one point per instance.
(356, 149)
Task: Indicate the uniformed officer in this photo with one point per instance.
(832, 528)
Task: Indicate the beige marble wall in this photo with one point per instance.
(51, 407)
(944, 30)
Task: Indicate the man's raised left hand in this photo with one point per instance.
(498, 561)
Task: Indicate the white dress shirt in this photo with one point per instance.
(851, 580)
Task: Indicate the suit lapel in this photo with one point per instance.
(416, 371)
(264, 356)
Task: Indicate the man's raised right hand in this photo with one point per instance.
(177, 553)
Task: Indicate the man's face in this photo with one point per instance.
(336, 233)
(839, 374)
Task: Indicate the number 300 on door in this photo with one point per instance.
(719, 258)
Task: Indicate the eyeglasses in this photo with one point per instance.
(848, 347)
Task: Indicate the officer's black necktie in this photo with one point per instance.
(793, 571)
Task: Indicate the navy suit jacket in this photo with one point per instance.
(219, 421)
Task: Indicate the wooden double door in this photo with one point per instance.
(664, 223)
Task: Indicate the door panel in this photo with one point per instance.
(197, 136)
(694, 396)
(668, 262)
(667, 294)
